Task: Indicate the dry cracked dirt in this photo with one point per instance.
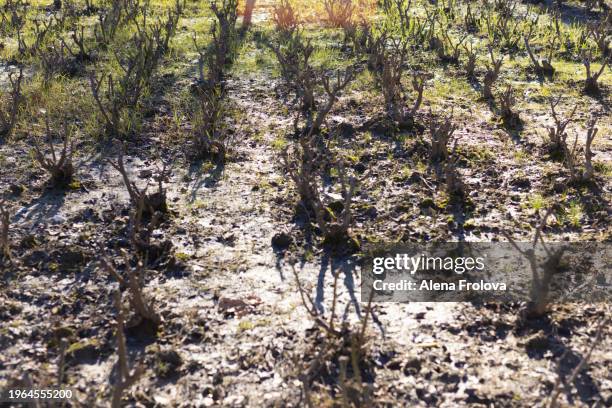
(240, 280)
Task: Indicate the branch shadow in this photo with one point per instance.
(549, 338)
(347, 267)
(203, 178)
(43, 208)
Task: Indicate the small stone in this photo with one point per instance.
(282, 240)
(170, 356)
(228, 239)
(169, 362)
(28, 241)
(272, 396)
(146, 173)
(58, 219)
(89, 214)
(16, 189)
(35, 258)
(234, 400)
(412, 366)
(69, 257)
(371, 212)
(415, 177)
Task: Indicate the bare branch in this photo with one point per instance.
(126, 378)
